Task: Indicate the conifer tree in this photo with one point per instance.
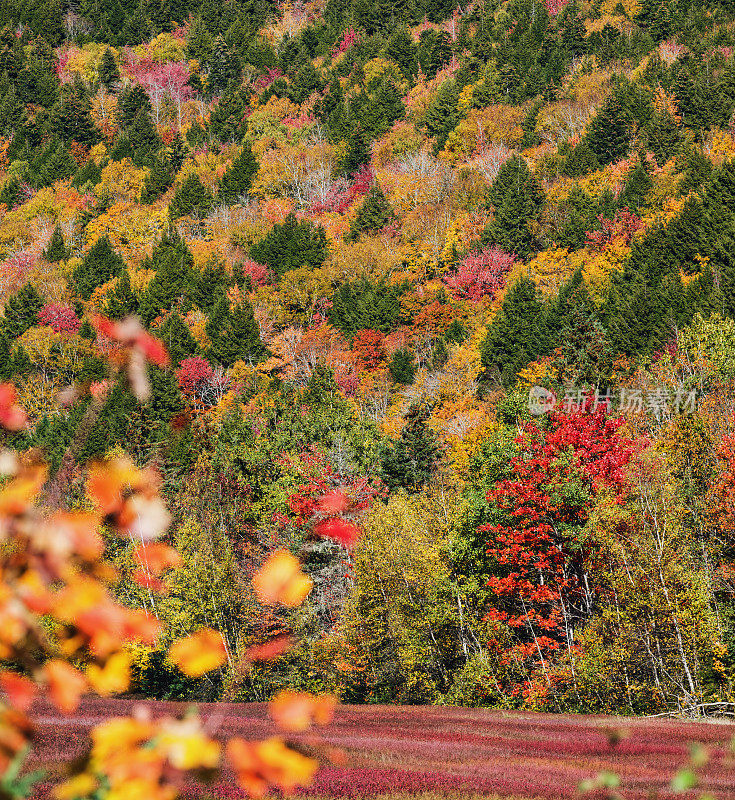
(373, 214)
(99, 265)
(165, 400)
(442, 116)
(6, 359)
(175, 275)
(403, 51)
(175, 334)
(518, 200)
(234, 334)
(132, 100)
(109, 73)
(517, 335)
(609, 133)
(158, 180)
(228, 118)
(57, 165)
(21, 311)
(402, 367)
(238, 177)
(291, 245)
(191, 198)
(208, 285)
(11, 193)
(56, 250)
(88, 173)
(121, 301)
(357, 152)
(580, 161)
(637, 186)
(144, 139)
(71, 116)
(22, 364)
(411, 461)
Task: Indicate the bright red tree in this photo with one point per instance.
(543, 588)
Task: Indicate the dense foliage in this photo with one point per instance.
(364, 231)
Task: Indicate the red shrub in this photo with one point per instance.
(367, 350)
(61, 317)
(194, 372)
(258, 274)
(480, 274)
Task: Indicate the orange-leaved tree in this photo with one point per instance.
(63, 634)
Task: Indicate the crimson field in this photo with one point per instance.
(412, 749)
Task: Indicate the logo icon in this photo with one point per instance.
(540, 400)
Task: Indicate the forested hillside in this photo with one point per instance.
(365, 231)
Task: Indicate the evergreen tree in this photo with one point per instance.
(109, 73)
(121, 301)
(198, 41)
(22, 364)
(165, 400)
(238, 177)
(663, 135)
(56, 250)
(518, 200)
(99, 265)
(177, 337)
(373, 215)
(6, 359)
(580, 161)
(223, 68)
(402, 50)
(362, 305)
(21, 311)
(208, 285)
(57, 165)
(11, 193)
(517, 335)
(357, 152)
(144, 139)
(442, 115)
(402, 367)
(88, 173)
(175, 275)
(291, 245)
(71, 116)
(177, 153)
(228, 120)
(132, 100)
(637, 186)
(157, 182)
(412, 460)
(191, 198)
(234, 335)
(609, 133)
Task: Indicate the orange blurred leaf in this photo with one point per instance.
(65, 683)
(280, 580)
(259, 765)
(271, 649)
(297, 711)
(18, 494)
(113, 677)
(199, 653)
(156, 557)
(19, 689)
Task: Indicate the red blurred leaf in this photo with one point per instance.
(338, 529)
